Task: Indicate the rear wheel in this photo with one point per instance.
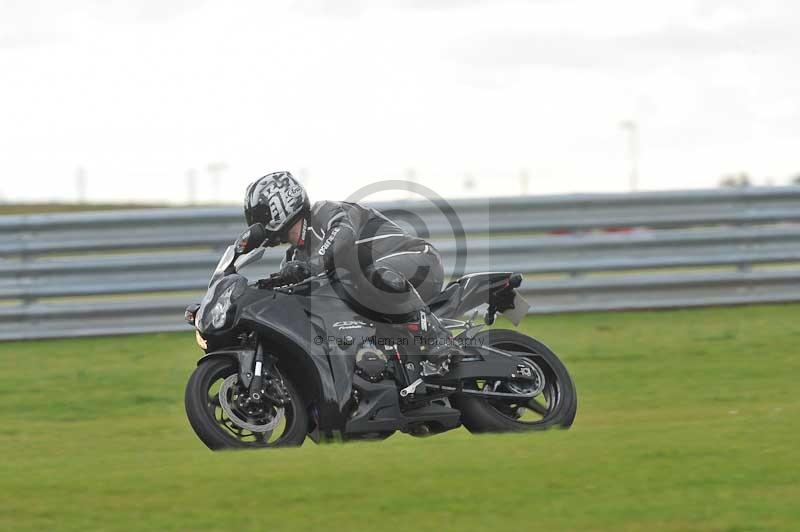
(222, 418)
(554, 405)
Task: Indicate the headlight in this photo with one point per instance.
(200, 340)
(219, 312)
(219, 303)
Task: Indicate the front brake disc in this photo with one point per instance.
(227, 386)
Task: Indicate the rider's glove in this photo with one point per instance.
(294, 271)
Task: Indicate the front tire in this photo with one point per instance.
(219, 431)
(554, 407)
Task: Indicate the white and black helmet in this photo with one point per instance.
(276, 200)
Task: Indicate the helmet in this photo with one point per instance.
(276, 200)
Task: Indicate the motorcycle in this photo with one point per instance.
(283, 362)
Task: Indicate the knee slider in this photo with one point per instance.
(387, 279)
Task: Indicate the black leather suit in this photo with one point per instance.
(378, 255)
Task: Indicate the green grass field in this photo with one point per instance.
(687, 420)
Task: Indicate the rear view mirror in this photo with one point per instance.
(248, 258)
(252, 237)
(190, 313)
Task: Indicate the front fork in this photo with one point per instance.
(266, 382)
(257, 389)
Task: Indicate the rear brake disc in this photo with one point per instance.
(536, 384)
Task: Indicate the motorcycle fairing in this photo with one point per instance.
(382, 412)
(307, 328)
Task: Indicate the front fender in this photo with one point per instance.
(243, 357)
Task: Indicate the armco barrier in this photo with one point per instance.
(117, 272)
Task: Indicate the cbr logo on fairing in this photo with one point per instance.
(342, 325)
(328, 241)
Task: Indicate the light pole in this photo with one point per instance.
(411, 177)
(80, 184)
(191, 186)
(633, 151)
(302, 176)
(215, 170)
(469, 182)
(524, 179)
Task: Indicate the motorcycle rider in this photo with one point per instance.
(397, 270)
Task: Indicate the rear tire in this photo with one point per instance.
(482, 415)
(203, 412)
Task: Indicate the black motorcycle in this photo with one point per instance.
(286, 361)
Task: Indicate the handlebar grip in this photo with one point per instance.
(273, 281)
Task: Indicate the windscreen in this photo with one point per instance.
(222, 265)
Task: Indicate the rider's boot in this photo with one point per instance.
(436, 345)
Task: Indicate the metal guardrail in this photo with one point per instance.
(120, 272)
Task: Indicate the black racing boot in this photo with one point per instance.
(436, 345)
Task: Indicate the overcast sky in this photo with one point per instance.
(347, 92)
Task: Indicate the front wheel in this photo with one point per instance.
(222, 417)
(554, 406)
